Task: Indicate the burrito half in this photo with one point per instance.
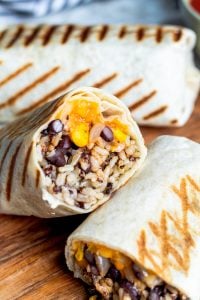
(150, 68)
(144, 243)
(68, 156)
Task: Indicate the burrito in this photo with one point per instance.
(150, 68)
(68, 156)
(144, 243)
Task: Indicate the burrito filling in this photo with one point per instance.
(85, 152)
(115, 276)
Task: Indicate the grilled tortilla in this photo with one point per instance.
(68, 156)
(144, 243)
(150, 68)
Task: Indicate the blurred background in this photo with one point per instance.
(175, 12)
(90, 11)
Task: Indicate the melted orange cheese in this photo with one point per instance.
(83, 115)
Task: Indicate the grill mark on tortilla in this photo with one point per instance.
(193, 183)
(161, 232)
(177, 35)
(4, 155)
(156, 113)
(13, 99)
(11, 172)
(15, 73)
(127, 88)
(103, 32)
(53, 93)
(142, 101)
(105, 80)
(37, 180)
(122, 32)
(16, 36)
(140, 33)
(29, 39)
(174, 121)
(26, 162)
(3, 34)
(159, 35)
(85, 33)
(170, 245)
(67, 34)
(48, 35)
(144, 253)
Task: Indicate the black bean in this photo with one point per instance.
(159, 289)
(48, 170)
(89, 257)
(57, 189)
(132, 158)
(65, 144)
(137, 271)
(44, 132)
(57, 159)
(156, 292)
(130, 289)
(94, 270)
(153, 296)
(91, 291)
(114, 274)
(107, 134)
(80, 204)
(74, 146)
(55, 127)
(108, 188)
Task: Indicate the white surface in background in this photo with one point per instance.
(111, 11)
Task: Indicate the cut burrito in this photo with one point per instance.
(68, 156)
(150, 68)
(144, 243)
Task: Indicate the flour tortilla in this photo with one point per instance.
(23, 184)
(150, 68)
(168, 186)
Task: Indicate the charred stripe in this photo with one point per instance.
(16, 36)
(105, 80)
(15, 73)
(48, 35)
(63, 87)
(127, 88)
(29, 87)
(122, 32)
(11, 172)
(85, 33)
(156, 113)
(67, 34)
(142, 101)
(4, 155)
(30, 38)
(26, 162)
(103, 32)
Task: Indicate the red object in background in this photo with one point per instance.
(196, 5)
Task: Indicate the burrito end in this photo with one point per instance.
(115, 276)
(85, 151)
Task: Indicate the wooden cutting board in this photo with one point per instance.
(32, 264)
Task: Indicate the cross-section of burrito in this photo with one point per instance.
(144, 243)
(68, 156)
(150, 68)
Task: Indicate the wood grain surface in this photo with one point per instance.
(32, 264)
